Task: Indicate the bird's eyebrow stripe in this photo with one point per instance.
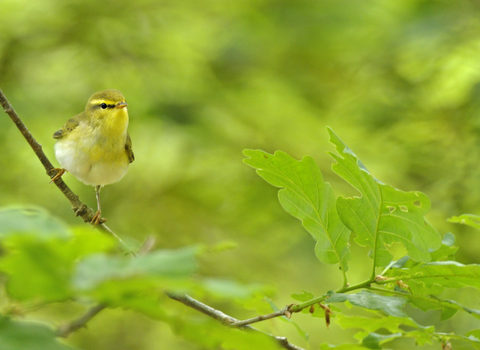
(99, 102)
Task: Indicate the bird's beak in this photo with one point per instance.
(121, 105)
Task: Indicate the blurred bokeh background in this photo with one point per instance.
(398, 81)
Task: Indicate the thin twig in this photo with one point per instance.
(81, 322)
(78, 207)
(231, 321)
(283, 312)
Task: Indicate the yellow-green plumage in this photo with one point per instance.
(94, 145)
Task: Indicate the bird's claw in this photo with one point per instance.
(97, 219)
(60, 172)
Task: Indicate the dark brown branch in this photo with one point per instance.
(79, 208)
(233, 322)
(81, 322)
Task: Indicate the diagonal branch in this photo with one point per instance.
(78, 207)
(233, 322)
(81, 322)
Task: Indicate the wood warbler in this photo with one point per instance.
(94, 145)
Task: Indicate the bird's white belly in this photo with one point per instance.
(104, 171)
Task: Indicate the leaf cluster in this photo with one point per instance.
(44, 262)
(378, 218)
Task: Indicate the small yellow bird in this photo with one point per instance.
(94, 145)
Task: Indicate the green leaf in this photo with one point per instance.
(307, 197)
(347, 346)
(382, 215)
(375, 340)
(42, 266)
(122, 281)
(467, 219)
(449, 274)
(390, 323)
(18, 220)
(429, 303)
(38, 268)
(16, 335)
(390, 305)
(305, 296)
(447, 250)
(229, 289)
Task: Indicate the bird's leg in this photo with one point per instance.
(98, 215)
(60, 172)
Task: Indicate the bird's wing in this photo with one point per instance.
(69, 126)
(128, 148)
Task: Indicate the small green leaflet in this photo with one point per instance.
(467, 219)
(382, 215)
(390, 305)
(307, 197)
(375, 340)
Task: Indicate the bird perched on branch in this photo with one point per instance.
(94, 145)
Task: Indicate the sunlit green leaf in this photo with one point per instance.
(368, 300)
(43, 266)
(226, 288)
(38, 268)
(123, 281)
(448, 274)
(467, 219)
(307, 197)
(164, 263)
(22, 220)
(447, 250)
(345, 346)
(382, 215)
(375, 340)
(447, 310)
(15, 335)
(303, 297)
(475, 333)
(390, 323)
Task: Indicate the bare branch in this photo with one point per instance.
(65, 330)
(233, 322)
(283, 312)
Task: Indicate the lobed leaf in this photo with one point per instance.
(383, 215)
(448, 274)
(307, 197)
(375, 340)
(390, 305)
(390, 323)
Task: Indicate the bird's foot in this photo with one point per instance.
(97, 219)
(59, 173)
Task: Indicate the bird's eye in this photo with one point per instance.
(103, 105)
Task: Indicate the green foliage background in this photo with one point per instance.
(397, 80)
